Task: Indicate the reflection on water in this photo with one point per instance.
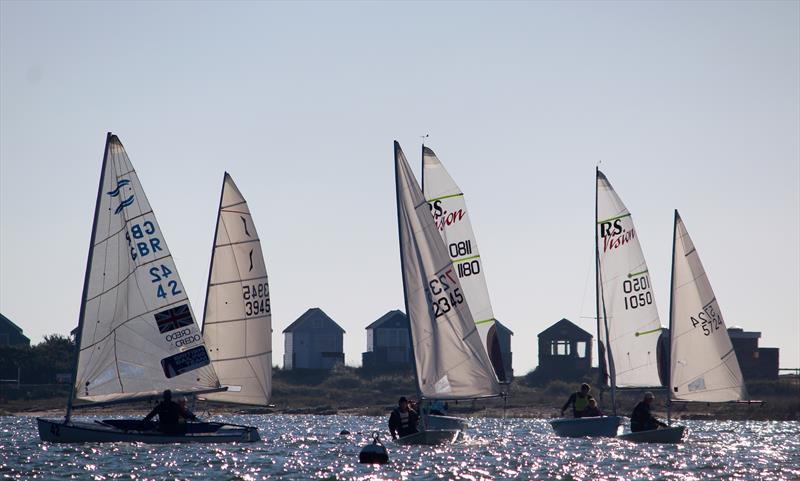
(309, 447)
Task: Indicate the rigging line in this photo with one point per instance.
(223, 207)
(246, 356)
(237, 320)
(237, 243)
(238, 280)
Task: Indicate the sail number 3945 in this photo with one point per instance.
(256, 299)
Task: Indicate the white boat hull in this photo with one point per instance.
(435, 421)
(430, 437)
(670, 435)
(56, 431)
(601, 426)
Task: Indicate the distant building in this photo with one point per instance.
(504, 339)
(11, 334)
(755, 362)
(565, 353)
(313, 341)
(388, 345)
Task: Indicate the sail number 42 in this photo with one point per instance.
(157, 274)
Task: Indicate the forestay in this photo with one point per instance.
(626, 296)
(703, 363)
(137, 334)
(450, 360)
(237, 323)
(449, 209)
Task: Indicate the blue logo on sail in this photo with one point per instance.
(120, 183)
(123, 204)
(114, 193)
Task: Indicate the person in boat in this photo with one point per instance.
(170, 414)
(403, 420)
(579, 401)
(592, 409)
(642, 418)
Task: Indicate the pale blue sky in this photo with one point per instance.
(689, 105)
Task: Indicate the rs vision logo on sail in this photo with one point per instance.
(443, 218)
(614, 235)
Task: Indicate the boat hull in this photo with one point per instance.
(670, 435)
(601, 426)
(430, 437)
(435, 422)
(57, 431)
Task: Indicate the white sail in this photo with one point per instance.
(703, 364)
(627, 303)
(237, 324)
(449, 209)
(137, 330)
(450, 360)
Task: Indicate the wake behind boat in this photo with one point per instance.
(137, 335)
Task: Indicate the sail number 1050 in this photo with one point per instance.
(637, 292)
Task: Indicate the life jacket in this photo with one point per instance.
(403, 418)
(581, 402)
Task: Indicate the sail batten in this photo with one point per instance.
(450, 361)
(703, 363)
(137, 334)
(448, 206)
(629, 332)
(237, 321)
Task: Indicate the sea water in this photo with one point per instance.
(310, 447)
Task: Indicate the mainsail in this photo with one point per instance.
(627, 307)
(449, 209)
(703, 364)
(237, 324)
(137, 335)
(450, 360)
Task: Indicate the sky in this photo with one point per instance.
(687, 105)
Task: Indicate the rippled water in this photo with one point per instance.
(309, 447)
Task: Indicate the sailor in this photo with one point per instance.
(642, 418)
(403, 420)
(592, 409)
(170, 414)
(579, 401)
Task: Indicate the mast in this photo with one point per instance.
(602, 352)
(213, 250)
(671, 290)
(402, 269)
(78, 336)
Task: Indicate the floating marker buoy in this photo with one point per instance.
(344, 432)
(374, 453)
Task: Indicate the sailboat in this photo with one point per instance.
(628, 326)
(449, 359)
(137, 335)
(450, 215)
(703, 365)
(237, 320)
